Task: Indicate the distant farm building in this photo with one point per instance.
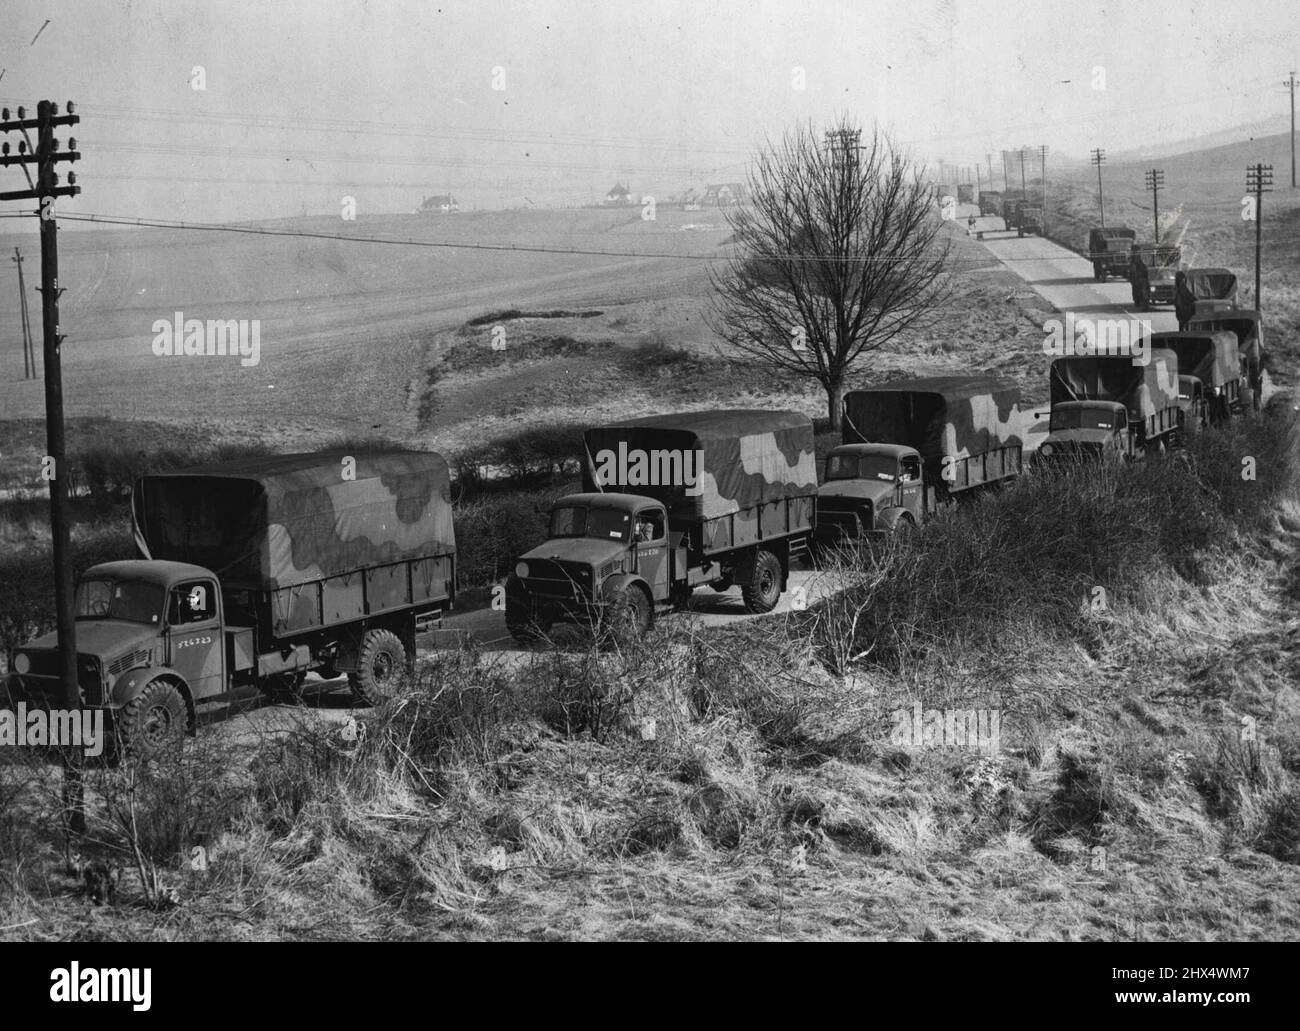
(619, 196)
(723, 195)
(439, 204)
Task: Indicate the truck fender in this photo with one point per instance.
(889, 518)
(621, 581)
(133, 681)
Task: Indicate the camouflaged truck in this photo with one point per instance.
(1209, 371)
(672, 502)
(251, 574)
(1247, 325)
(1104, 406)
(913, 446)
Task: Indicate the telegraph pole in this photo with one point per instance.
(989, 159)
(29, 359)
(45, 191)
(1042, 166)
(1259, 181)
(1291, 85)
(1099, 156)
(1155, 179)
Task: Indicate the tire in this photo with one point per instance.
(152, 724)
(380, 664)
(764, 588)
(522, 619)
(629, 614)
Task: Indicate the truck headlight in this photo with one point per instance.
(1045, 450)
(521, 570)
(22, 664)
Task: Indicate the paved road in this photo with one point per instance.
(488, 627)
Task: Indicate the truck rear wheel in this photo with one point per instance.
(152, 723)
(380, 663)
(764, 588)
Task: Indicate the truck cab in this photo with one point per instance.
(1085, 431)
(151, 643)
(601, 549)
(1194, 402)
(870, 489)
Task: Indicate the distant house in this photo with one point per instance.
(619, 196)
(723, 195)
(439, 204)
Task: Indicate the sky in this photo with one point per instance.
(551, 102)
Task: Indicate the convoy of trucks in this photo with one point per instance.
(1106, 405)
(913, 446)
(251, 574)
(672, 503)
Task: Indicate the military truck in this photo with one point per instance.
(1210, 358)
(914, 446)
(990, 202)
(1011, 201)
(1105, 406)
(671, 503)
(1029, 218)
(1248, 326)
(965, 193)
(1215, 289)
(1108, 250)
(251, 574)
(1156, 283)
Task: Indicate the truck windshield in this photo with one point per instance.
(861, 467)
(131, 600)
(607, 524)
(1082, 419)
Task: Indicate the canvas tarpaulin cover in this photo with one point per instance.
(1212, 284)
(737, 459)
(286, 520)
(1209, 356)
(1142, 389)
(939, 416)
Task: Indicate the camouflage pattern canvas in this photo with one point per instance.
(291, 519)
(746, 458)
(1142, 389)
(940, 416)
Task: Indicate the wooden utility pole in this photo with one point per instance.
(45, 191)
(1099, 156)
(1259, 181)
(1042, 168)
(1155, 179)
(1291, 85)
(24, 325)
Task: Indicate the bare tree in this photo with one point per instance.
(836, 253)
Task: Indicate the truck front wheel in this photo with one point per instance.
(152, 723)
(629, 613)
(380, 662)
(523, 619)
(763, 590)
